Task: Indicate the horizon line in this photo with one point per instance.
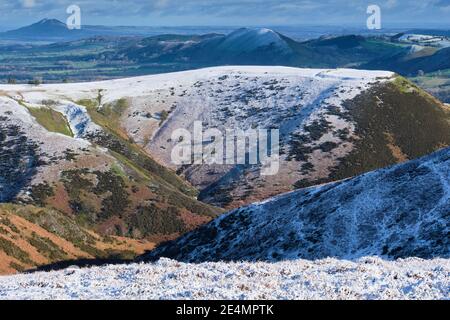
(299, 25)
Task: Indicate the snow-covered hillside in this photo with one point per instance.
(334, 124)
(307, 105)
(78, 148)
(398, 212)
(26, 147)
(247, 39)
(428, 40)
(367, 278)
(58, 153)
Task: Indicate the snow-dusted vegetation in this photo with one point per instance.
(89, 150)
(306, 105)
(367, 278)
(397, 212)
(333, 123)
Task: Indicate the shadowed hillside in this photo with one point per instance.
(398, 212)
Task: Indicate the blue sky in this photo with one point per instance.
(395, 13)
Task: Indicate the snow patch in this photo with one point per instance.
(78, 119)
(368, 278)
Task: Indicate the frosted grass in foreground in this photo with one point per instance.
(367, 278)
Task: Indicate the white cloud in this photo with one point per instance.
(28, 3)
(161, 4)
(391, 4)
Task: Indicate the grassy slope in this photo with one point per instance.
(136, 197)
(51, 120)
(32, 237)
(117, 140)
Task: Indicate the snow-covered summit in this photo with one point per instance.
(249, 39)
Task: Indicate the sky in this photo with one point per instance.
(395, 13)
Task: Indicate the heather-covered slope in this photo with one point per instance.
(56, 156)
(31, 237)
(398, 212)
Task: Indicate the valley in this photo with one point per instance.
(396, 212)
(98, 153)
(94, 206)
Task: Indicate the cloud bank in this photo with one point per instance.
(228, 12)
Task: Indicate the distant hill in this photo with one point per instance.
(343, 42)
(149, 53)
(411, 63)
(259, 46)
(334, 124)
(243, 46)
(46, 29)
(96, 52)
(53, 30)
(431, 32)
(71, 157)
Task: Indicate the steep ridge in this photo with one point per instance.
(397, 212)
(53, 30)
